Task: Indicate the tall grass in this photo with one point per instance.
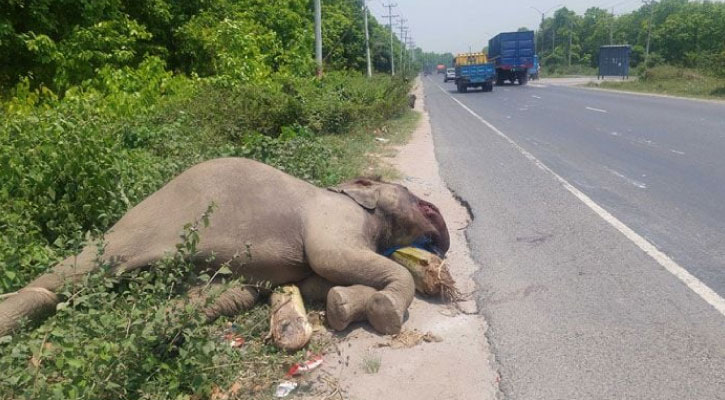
(673, 80)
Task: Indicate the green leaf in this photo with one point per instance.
(224, 270)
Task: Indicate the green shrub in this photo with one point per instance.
(78, 164)
(101, 104)
(75, 165)
(134, 337)
(335, 103)
(669, 72)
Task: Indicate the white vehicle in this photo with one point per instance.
(450, 75)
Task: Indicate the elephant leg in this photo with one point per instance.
(314, 289)
(386, 308)
(39, 299)
(345, 304)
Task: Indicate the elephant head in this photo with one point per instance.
(405, 219)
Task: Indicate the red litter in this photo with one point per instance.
(232, 335)
(307, 366)
(234, 341)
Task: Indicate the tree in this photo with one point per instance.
(683, 33)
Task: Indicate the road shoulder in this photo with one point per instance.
(587, 83)
(459, 365)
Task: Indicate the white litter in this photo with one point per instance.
(285, 388)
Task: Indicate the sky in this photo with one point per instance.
(459, 25)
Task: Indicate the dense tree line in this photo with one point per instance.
(60, 43)
(681, 32)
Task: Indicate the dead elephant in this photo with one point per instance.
(294, 233)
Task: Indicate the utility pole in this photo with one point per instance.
(403, 29)
(318, 37)
(403, 51)
(649, 3)
(390, 26)
(367, 39)
(411, 55)
(543, 13)
(611, 28)
(570, 34)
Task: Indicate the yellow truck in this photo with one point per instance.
(474, 70)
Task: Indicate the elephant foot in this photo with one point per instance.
(383, 314)
(346, 305)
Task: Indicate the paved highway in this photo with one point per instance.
(599, 228)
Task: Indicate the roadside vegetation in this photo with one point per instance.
(104, 102)
(686, 40)
(682, 33)
(670, 80)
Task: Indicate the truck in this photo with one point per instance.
(474, 70)
(512, 53)
(441, 68)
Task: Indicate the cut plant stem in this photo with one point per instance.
(289, 328)
(429, 271)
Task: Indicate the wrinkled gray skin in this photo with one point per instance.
(326, 241)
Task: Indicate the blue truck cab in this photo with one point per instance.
(513, 54)
(474, 70)
(534, 71)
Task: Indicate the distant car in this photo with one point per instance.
(450, 75)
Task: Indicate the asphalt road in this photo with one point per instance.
(577, 309)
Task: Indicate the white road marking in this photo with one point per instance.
(682, 153)
(537, 85)
(643, 142)
(615, 133)
(535, 96)
(661, 258)
(596, 109)
(628, 179)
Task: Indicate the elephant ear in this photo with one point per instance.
(363, 191)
